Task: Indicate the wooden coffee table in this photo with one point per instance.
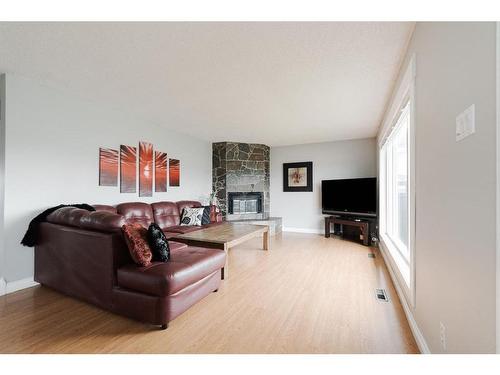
(224, 236)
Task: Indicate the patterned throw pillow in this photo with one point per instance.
(206, 215)
(136, 237)
(192, 216)
(158, 243)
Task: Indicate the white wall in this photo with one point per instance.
(2, 180)
(455, 186)
(51, 156)
(342, 159)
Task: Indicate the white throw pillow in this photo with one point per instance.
(192, 216)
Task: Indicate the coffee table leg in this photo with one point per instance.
(225, 268)
(265, 240)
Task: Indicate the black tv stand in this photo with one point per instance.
(350, 218)
(362, 224)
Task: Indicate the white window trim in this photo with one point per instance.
(498, 183)
(405, 91)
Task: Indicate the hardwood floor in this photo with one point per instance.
(308, 294)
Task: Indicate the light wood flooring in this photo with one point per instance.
(307, 294)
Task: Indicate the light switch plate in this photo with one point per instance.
(465, 123)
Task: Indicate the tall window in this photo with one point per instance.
(394, 192)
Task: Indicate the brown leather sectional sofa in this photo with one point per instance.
(83, 254)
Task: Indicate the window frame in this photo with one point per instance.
(388, 228)
(403, 270)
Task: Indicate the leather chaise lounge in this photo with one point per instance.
(83, 254)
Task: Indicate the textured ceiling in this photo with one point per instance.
(272, 83)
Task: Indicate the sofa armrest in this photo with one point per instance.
(79, 262)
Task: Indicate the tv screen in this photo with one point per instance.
(350, 196)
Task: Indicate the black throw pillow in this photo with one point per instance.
(158, 243)
(205, 219)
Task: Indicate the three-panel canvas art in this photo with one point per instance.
(153, 166)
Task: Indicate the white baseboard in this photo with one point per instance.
(14, 286)
(3, 286)
(302, 230)
(417, 333)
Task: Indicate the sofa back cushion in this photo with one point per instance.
(190, 204)
(166, 214)
(71, 216)
(136, 212)
(104, 207)
(102, 221)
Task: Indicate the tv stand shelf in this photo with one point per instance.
(363, 226)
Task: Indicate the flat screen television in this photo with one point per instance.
(353, 196)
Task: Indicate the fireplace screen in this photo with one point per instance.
(245, 203)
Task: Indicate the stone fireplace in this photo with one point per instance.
(240, 178)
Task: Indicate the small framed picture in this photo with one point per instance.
(298, 176)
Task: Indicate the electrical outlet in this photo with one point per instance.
(442, 335)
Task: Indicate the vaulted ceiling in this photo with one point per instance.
(273, 83)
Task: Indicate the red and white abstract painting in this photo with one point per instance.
(160, 171)
(174, 172)
(145, 169)
(108, 167)
(128, 169)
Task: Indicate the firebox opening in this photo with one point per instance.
(245, 203)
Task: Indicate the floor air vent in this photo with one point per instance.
(381, 295)
(371, 255)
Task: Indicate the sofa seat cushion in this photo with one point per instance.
(186, 266)
(181, 229)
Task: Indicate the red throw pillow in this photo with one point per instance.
(136, 237)
(213, 214)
